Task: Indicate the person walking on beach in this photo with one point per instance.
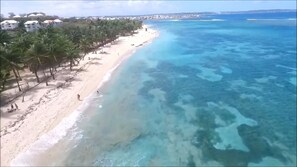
(16, 106)
(78, 96)
(11, 107)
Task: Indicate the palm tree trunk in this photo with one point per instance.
(37, 78)
(70, 65)
(18, 74)
(83, 57)
(17, 79)
(52, 74)
(45, 78)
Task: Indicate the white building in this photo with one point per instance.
(16, 16)
(32, 25)
(58, 21)
(9, 24)
(36, 15)
(48, 22)
(54, 23)
(39, 14)
(31, 15)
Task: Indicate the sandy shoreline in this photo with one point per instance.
(46, 106)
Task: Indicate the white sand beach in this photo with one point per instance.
(45, 106)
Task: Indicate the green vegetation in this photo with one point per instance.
(46, 49)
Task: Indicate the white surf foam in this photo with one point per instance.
(212, 20)
(174, 20)
(263, 19)
(286, 67)
(252, 19)
(49, 139)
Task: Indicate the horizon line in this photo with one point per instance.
(150, 14)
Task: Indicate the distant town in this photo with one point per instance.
(35, 20)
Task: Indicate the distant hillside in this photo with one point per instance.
(210, 13)
(260, 11)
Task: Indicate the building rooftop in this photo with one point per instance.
(9, 21)
(48, 21)
(31, 22)
(58, 20)
(17, 16)
(35, 15)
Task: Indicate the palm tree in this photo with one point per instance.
(4, 75)
(9, 56)
(4, 38)
(35, 58)
(55, 45)
(71, 53)
(84, 46)
(10, 60)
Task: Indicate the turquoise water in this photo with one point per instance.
(204, 93)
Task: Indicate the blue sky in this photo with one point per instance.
(135, 7)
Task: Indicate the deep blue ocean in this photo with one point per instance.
(214, 91)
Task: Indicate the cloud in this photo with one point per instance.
(133, 7)
(86, 8)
